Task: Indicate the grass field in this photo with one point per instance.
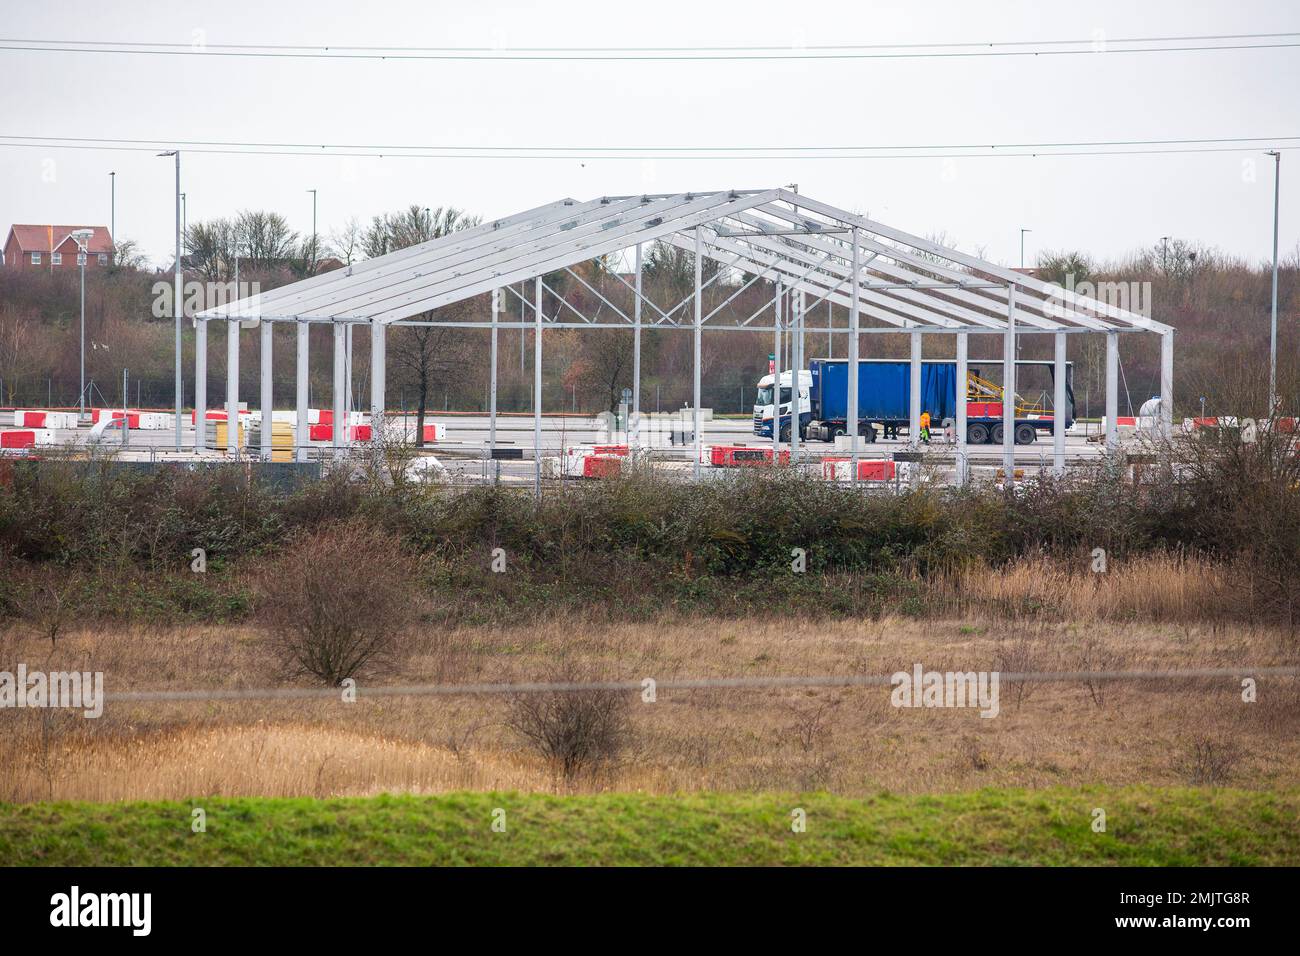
(1144, 827)
(847, 741)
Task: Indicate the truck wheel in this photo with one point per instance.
(1025, 434)
(835, 432)
(869, 434)
(785, 433)
(996, 434)
(977, 434)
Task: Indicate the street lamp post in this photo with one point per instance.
(81, 235)
(112, 213)
(1272, 327)
(313, 226)
(1019, 343)
(178, 302)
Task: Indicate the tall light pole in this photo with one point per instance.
(1272, 327)
(1164, 253)
(178, 302)
(313, 225)
(112, 213)
(1019, 343)
(81, 235)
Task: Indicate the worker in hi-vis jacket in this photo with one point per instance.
(925, 427)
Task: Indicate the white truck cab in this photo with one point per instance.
(763, 403)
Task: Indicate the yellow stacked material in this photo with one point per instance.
(281, 441)
(222, 441)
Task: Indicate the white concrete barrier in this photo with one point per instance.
(26, 438)
(37, 418)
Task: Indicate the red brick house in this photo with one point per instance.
(52, 247)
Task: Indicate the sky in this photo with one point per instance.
(1108, 206)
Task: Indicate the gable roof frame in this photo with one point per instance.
(926, 287)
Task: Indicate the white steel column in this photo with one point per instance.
(266, 400)
(914, 396)
(801, 311)
(1167, 384)
(537, 392)
(378, 382)
(232, 386)
(347, 376)
(492, 373)
(339, 395)
(851, 414)
(200, 384)
(776, 375)
(1112, 390)
(830, 324)
(1058, 407)
(303, 370)
(1009, 392)
(963, 346)
(634, 414)
(698, 345)
(796, 366)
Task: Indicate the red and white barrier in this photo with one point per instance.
(26, 438)
(217, 415)
(869, 469)
(743, 456)
(602, 466)
(113, 414)
(1129, 425)
(593, 461)
(155, 421)
(35, 418)
(1283, 426)
(325, 432)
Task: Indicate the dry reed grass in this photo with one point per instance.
(1161, 587)
(845, 740)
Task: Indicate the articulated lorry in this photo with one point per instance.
(884, 399)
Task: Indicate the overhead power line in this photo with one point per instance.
(1022, 48)
(584, 153)
(640, 150)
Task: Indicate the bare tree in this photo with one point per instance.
(421, 354)
(346, 243)
(209, 248)
(265, 239)
(127, 255)
(577, 731)
(604, 364)
(341, 602)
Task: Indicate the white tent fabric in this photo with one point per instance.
(905, 281)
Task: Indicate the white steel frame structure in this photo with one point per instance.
(889, 281)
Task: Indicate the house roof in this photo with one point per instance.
(904, 281)
(48, 238)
